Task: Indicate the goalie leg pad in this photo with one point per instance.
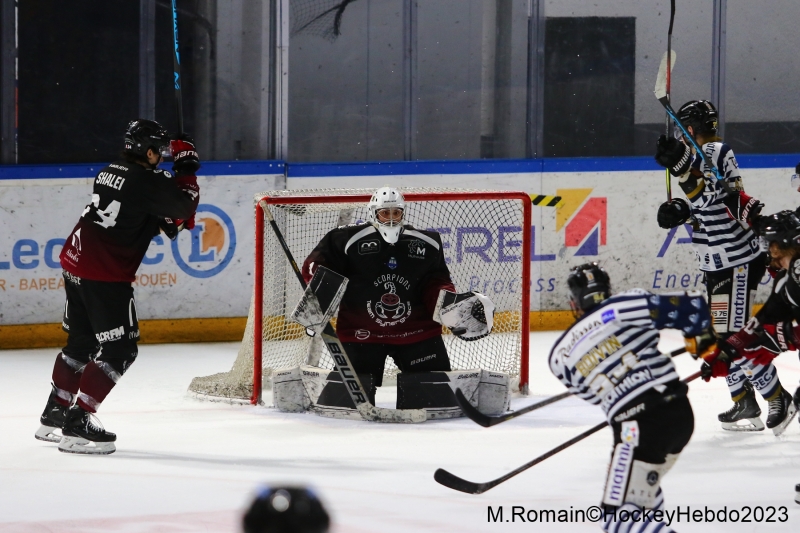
(288, 393)
(334, 393)
(435, 391)
(494, 393)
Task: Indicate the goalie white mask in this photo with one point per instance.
(386, 209)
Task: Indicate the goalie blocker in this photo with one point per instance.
(320, 300)
(308, 388)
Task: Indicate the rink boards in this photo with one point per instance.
(199, 286)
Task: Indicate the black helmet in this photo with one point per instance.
(701, 115)
(588, 286)
(286, 510)
(782, 228)
(143, 134)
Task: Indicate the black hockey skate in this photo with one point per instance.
(52, 420)
(747, 411)
(83, 433)
(781, 412)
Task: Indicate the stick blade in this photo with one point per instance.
(661, 78)
(372, 413)
(471, 412)
(451, 481)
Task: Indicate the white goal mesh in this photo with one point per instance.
(485, 236)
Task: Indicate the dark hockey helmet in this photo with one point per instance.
(589, 285)
(286, 510)
(701, 115)
(142, 134)
(782, 228)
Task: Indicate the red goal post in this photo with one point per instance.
(486, 238)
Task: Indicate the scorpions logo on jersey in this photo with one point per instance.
(390, 309)
(208, 248)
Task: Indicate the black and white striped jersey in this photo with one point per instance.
(720, 241)
(610, 355)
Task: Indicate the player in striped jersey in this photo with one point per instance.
(728, 251)
(774, 329)
(610, 357)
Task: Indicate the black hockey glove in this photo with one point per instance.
(184, 156)
(169, 227)
(674, 155)
(673, 213)
(796, 398)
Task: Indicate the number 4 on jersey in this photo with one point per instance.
(108, 217)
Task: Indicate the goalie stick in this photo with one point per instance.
(670, 65)
(341, 361)
(451, 481)
(488, 421)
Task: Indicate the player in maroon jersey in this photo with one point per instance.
(132, 200)
(398, 282)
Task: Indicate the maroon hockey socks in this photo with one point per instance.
(94, 386)
(66, 378)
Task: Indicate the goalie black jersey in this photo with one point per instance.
(720, 241)
(392, 289)
(610, 355)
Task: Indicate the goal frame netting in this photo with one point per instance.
(346, 196)
(272, 341)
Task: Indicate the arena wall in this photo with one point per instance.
(198, 287)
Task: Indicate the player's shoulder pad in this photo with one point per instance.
(794, 270)
(431, 238)
(348, 235)
(161, 171)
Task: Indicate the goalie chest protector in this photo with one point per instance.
(392, 289)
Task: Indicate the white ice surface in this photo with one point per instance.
(187, 465)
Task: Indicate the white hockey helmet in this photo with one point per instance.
(389, 224)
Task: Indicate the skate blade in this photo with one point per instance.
(85, 447)
(48, 434)
(780, 428)
(751, 424)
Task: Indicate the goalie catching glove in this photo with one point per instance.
(320, 300)
(468, 315)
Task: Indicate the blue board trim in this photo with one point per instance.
(88, 170)
(393, 168)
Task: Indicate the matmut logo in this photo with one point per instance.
(584, 218)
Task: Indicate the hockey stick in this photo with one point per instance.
(488, 421)
(342, 362)
(454, 482)
(670, 66)
(661, 94)
(176, 67)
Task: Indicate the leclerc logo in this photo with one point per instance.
(206, 250)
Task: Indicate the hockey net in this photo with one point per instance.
(486, 242)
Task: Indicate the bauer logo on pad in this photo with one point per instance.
(608, 316)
